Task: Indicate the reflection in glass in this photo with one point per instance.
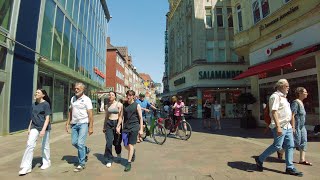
(76, 11)
(46, 36)
(66, 42)
(5, 15)
(72, 59)
(57, 38)
(69, 7)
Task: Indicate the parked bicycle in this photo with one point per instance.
(157, 130)
(182, 128)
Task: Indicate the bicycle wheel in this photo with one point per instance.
(168, 125)
(159, 134)
(184, 130)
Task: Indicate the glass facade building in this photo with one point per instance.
(64, 42)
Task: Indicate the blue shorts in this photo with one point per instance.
(216, 114)
(129, 138)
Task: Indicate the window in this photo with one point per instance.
(69, 7)
(46, 36)
(208, 17)
(234, 56)
(210, 51)
(239, 13)
(73, 48)
(230, 19)
(57, 38)
(260, 9)
(76, 11)
(219, 17)
(3, 54)
(222, 55)
(5, 15)
(66, 42)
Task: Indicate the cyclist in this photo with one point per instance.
(145, 105)
(178, 113)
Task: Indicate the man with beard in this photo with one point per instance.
(282, 127)
(81, 120)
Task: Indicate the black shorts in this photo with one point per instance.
(129, 138)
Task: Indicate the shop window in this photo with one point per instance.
(73, 44)
(301, 64)
(239, 14)
(230, 19)
(5, 15)
(208, 17)
(46, 36)
(3, 55)
(219, 17)
(60, 100)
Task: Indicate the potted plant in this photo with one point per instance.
(247, 120)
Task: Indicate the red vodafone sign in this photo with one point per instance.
(269, 51)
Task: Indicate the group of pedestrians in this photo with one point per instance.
(211, 111)
(287, 126)
(123, 122)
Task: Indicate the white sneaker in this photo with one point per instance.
(24, 171)
(108, 165)
(45, 166)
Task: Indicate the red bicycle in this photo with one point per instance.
(181, 128)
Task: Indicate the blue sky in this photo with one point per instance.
(140, 25)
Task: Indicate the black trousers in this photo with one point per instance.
(112, 138)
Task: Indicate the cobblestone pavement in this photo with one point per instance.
(223, 154)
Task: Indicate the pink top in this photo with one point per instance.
(178, 109)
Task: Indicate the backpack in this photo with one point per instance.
(266, 114)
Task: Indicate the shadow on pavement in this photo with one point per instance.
(249, 167)
(100, 157)
(230, 127)
(36, 160)
(70, 159)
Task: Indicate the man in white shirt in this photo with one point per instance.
(81, 120)
(281, 127)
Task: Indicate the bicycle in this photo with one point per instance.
(156, 131)
(182, 128)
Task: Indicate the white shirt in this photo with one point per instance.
(217, 107)
(79, 109)
(279, 102)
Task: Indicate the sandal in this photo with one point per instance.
(305, 163)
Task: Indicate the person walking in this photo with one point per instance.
(113, 115)
(282, 128)
(216, 109)
(145, 105)
(206, 122)
(132, 126)
(39, 126)
(81, 120)
(299, 114)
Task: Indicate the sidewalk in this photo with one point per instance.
(223, 154)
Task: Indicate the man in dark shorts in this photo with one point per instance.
(132, 126)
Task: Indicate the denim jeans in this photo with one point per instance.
(78, 139)
(31, 143)
(285, 140)
(112, 138)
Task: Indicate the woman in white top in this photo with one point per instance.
(114, 113)
(216, 108)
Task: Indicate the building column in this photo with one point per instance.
(256, 106)
(317, 57)
(199, 103)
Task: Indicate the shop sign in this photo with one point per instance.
(218, 74)
(269, 51)
(179, 81)
(282, 16)
(98, 72)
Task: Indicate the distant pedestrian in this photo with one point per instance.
(216, 111)
(81, 120)
(206, 122)
(132, 126)
(113, 119)
(299, 114)
(39, 126)
(281, 127)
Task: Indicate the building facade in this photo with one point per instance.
(49, 44)
(201, 60)
(281, 40)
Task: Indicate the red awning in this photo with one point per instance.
(278, 63)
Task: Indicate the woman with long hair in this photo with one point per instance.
(299, 114)
(114, 111)
(39, 126)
